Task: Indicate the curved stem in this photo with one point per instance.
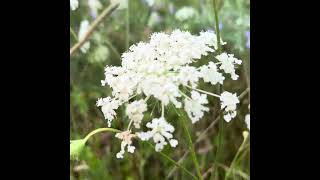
(235, 158)
(100, 130)
(191, 146)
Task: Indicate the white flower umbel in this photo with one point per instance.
(161, 67)
(84, 26)
(108, 107)
(165, 69)
(126, 138)
(74, 4)
(194, 106)
(161, 133)
(210, 73)
(228, 63)
(229, 103)
(135, 112)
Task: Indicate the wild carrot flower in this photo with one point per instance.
(163, 68)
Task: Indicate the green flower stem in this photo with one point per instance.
(191, 146)
(100, 130)
(217, 25)
(128, 26)
(173, 161)
(74, 35)
(220, 89)
(245, 135)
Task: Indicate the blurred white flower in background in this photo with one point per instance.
(84, 26)
(247, 119)
(74, 4)
(154, 19)
(123, 4)
(94, 6)
(150, 2)
(185, 13)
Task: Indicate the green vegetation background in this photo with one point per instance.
(98, 160)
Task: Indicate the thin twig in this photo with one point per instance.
(244, 93)
(93, 26)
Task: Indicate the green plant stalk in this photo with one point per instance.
(217, 25)
(74, 35)
(191, 146)
(127, 26)
(173, 161)
(235, 158)
(220, 89)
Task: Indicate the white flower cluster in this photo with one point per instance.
(229, 103)
(161, 69)
(161, 131)
(126, 138)
(135, 112)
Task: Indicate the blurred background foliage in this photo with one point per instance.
(108, 42)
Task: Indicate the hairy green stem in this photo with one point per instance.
(217, 25)
(220, 90)
(127, 26)
(191, 146)
(236, 157)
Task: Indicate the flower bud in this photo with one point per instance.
(76, 147)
